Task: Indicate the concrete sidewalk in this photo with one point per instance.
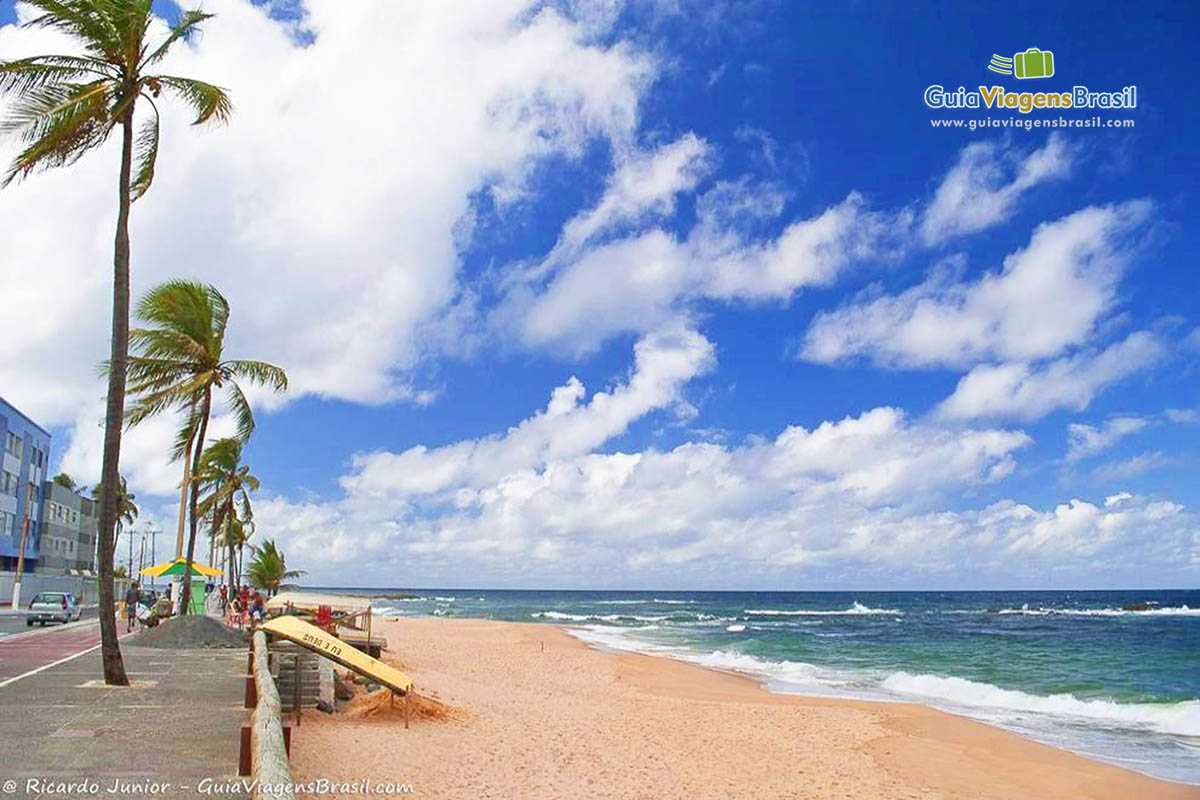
(178, 724)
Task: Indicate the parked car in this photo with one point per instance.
(53, 607)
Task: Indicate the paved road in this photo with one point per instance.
(22, 653)
(15, 623)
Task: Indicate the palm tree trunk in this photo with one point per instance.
(183, 493)
(192, 521)
(110, 649)
(212, 539)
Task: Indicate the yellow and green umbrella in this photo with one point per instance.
(177, 567)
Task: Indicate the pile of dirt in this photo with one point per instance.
(379, 705)
(193, 632)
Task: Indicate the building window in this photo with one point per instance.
(13, 444)
(9, 483)
(7, 524)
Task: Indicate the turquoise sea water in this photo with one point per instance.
(1111, 674)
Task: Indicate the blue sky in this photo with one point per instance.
(770, 225)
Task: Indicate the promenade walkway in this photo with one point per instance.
(174, 733)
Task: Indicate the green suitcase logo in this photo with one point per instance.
(1033, 63)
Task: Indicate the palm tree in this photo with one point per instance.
(227, 504)
(179, 363)
(127, 510)
(64, 480)
(66, 105)
(234, 538)
(268, 570)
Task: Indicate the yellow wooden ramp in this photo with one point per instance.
(313, 638)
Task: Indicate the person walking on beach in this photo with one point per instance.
(131, 604)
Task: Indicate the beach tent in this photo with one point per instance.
(176, 567)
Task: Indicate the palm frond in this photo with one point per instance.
(243, 415)
(186, 435)
(181, 306)
(93, 24)
(211, 103)
(259, 372)
(184, 28)
(152, 404)
(59, 123)
(168, 345)
(145, 155)
(26, 74)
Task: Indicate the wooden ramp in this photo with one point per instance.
(318, 641)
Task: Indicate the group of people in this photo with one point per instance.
(244, 604)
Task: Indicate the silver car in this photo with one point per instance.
(53, 607)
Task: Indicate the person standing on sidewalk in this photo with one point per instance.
(131, 604)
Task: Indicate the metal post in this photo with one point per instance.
(153, 559)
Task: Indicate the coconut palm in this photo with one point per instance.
(127, 510)
(178, 364)
(62, 106)
(126, 507)
(268, 569)
(227, 504)
(235, 536)
(64, 480)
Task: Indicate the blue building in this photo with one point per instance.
(24, 459)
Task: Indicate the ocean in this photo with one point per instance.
(1114, 675)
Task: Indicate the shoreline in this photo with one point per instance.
(541, 713)
(580, 632)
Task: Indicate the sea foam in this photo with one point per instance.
(856, 609)
(1182, 719)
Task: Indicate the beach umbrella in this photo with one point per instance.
(177, 566)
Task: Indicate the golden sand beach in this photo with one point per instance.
(535, 713)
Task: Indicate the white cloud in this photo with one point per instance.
(1182, 415)
(635, 284)
(987, 181)
(1130, 467)
(292, 189)
(1047, 297)
(1087, 440)
(540, 501)
(644, 185)
(327, 210)
(836, 502)
(1028, 391)
(663, 363)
